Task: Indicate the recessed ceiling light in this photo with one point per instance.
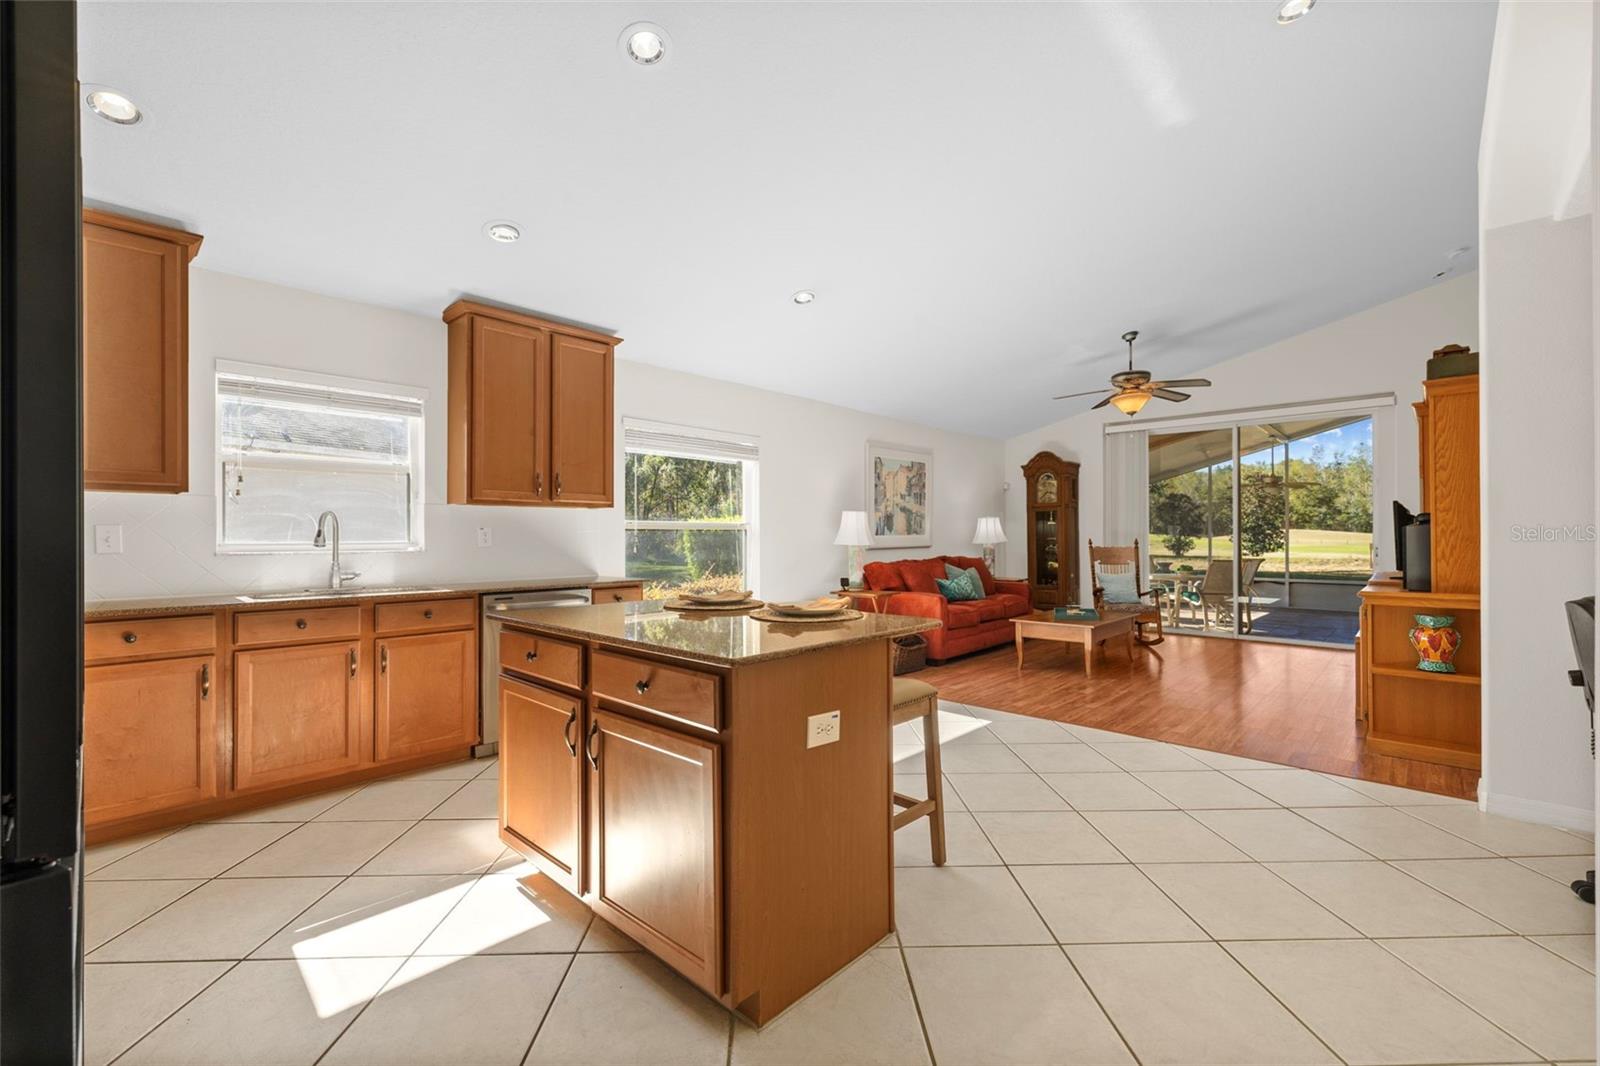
(645, 43)
(502, 232)
(113, 107)
(804, 296)
(1294, 10)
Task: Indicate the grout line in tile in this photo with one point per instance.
(175, 1011)
(916, 1002)
(556, 994)
(1469, 1007)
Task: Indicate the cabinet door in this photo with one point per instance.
(580, 420)
(296, 713)
(654, 824)
(426, 694)
(540, 780)
(510, 400)
(135, 362)
(149, 737)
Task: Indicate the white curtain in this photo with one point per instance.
(1128, 492)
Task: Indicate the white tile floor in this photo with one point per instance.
(1107, 900)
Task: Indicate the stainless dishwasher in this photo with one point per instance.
(489, 694)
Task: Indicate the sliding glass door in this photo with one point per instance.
(1263, 529)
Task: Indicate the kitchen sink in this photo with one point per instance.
(349, 591)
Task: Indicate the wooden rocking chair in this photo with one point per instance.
(1124, 559)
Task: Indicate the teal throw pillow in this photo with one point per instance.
(1118, 585)
(959, 585)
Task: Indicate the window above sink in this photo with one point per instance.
(292, 444)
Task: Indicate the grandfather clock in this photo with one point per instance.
(1052, 530)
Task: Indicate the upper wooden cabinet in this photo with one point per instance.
(135, 354)
(530, 409)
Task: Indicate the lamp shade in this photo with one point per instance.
(1130, 403)
(853, 529)
(989, 531)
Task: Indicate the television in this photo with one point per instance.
(1402, 518)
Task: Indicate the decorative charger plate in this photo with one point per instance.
(725, 598)
(822, 606)
(711, 608)
(767, 614)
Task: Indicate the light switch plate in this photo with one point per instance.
(108, 540)
(485, 537)
(822, 729)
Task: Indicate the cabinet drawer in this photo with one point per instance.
(672, 691)
(553, 660)
(618, 594)
(293, 627)
(148, 638)
(425, 614)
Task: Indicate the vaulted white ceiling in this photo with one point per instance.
(983, 196)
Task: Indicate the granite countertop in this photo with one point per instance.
(155, 605)
(723, 639)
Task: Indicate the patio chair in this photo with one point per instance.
(1216, 593)
(1121, 561)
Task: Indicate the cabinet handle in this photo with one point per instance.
(299, 623)
(383, 659)
(567, 734)
(130, 637)
(588, 745)
(352, 662)
(616, 597)
(558, 483)
(538, 482)
(532, 655)
(428, 613)
(641, 687)
(205, 681)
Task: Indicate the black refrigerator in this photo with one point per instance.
(41, 518)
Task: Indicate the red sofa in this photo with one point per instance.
(968, 626)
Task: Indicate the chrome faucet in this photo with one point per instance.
(337, 574)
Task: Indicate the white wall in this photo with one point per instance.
(1381, 350)
(812, 464)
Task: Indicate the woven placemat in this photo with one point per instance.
(712, 608)
(767, 614)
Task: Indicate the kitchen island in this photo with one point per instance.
(715, 787)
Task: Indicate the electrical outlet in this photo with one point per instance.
(108, 540)
(822, 729)
(485, 537)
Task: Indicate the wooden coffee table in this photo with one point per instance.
(1041, 625)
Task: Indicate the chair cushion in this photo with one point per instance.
(1014, 605)
(909, 690)
(964, 615)
(885, 576)
(994, 608)
(959, 584)
(921, 575)
(972, 562)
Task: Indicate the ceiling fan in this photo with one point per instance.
(1131, 389)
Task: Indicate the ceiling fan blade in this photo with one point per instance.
(1075, 395)
(1170, 394)
(1101, 404)
(1183, 383)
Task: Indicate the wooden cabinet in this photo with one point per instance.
(530, 409)
(149, 736)
(1447, 433)
(540, 778)
(630, 593)
(135, 354)
(296, 713)
(654, 813)
(1052, 502)
(426, 695)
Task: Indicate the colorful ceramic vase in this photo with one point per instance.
(1436, 641)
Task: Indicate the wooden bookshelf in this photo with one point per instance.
(1412, 713)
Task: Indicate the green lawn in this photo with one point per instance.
(1313, 553)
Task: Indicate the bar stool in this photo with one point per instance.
(913, 700)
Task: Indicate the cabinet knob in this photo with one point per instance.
(532, 655)
(130, 637)
(428, 613)
(299, 623)
(617, 596)
(641, 687)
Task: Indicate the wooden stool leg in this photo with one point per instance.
(930, 748)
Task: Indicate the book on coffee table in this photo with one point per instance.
(1077, 614)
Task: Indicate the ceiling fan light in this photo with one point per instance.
(1130, 403)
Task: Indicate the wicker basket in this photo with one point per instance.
(910, 654)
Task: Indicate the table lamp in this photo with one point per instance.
(989, 534)
(854, 537)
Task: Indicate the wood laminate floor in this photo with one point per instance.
(1279, 703)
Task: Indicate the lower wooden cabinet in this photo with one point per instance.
(149, 736)
(296, 713)
(540, 777)
(426, 698)
(654, 817)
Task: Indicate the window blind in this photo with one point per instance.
(688, 443)
(261, 390)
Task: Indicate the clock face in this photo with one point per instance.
(1046, 490)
